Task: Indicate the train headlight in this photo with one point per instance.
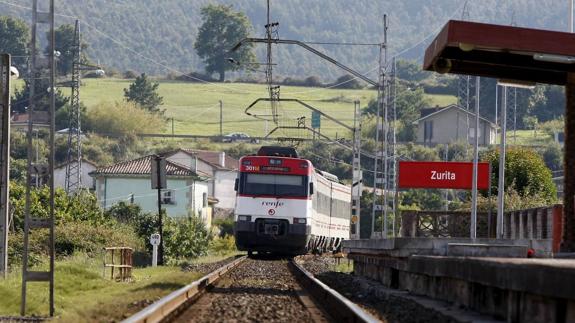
(299, 220)
(244, 217)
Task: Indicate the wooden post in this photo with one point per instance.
(568, 244)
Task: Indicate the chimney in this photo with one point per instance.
(223, 159)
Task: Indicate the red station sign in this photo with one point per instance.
(456, 175)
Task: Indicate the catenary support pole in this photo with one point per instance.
(501, 182)
(473, 229)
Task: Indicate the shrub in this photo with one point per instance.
(129, 74)
(525, 171)
(553, 156)
(123, 118)
(82, 207)
(73, 237)
(223, 245)
(185, 239)
(552, 126)
(347, 82)
(143, 223)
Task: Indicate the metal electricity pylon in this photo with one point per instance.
(464, 84)
(273, 89)
(384, 172)
(41, 66)
(74, 154)
(390, 160)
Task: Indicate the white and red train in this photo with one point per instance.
(285, 205)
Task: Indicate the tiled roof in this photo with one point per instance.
(213, 158)
(37, 117)
(142, 166)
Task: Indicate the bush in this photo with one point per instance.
(122, 117)
(83, 207)
(552, 126)
(223, 245)
(144, 224)
(347, 82)
(185, 239)
(553, 156)
(73, 237)
(525, 171)
(129, 74)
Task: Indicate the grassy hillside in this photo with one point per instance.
(195, 107)
(158, 36)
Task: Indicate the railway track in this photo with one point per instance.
(253, 290)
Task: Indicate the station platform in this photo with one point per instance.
(492, 277)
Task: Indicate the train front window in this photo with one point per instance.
(272, 184)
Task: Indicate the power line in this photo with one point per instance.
(340, 43)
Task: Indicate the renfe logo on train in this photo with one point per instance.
(456, 175)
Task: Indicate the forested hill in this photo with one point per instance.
(158, 36)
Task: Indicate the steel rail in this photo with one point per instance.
(170, 304)
(339, 307)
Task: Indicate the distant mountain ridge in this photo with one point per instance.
(157, 37)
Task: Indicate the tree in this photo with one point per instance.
(347, 82)
(531, 122)
(525, 171)
(411, 71)
(64, 43)
(14, 38)
(222, 28)
(145, 93)
(20, 100)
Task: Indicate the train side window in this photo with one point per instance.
(236, 184)
(311, 188)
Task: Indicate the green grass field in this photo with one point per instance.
(82, 294)
(194, 107)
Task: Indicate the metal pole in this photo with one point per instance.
(496, 104)
(37, 158)
(172, 127)
(475, 160)
(570, 16)
(221, 120)
(51, 160)
(4, 161)
(501, 182)
(160, 225)
(446, 158)
(515, 116)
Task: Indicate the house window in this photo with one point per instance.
(427, 131)
(472, 132)
(168, 197)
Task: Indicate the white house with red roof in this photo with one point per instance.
(222, 168)
(86, 180)
(130, 181)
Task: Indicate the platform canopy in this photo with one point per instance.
(502, 52)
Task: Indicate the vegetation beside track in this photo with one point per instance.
(84, 295)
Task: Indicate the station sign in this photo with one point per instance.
(454, 175)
